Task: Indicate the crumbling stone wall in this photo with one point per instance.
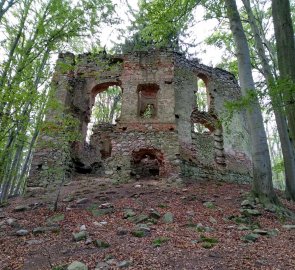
(120, 166)
(164, 83)
(226, 148)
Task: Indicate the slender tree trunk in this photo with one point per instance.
(262, 176)
(113, 108)
(284, 35)
(25, 166)
(14, 170)
(276, 99)
(5, 183)
(15, 43)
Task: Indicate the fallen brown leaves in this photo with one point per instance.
(181, 249)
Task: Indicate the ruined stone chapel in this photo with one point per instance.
(155, 135)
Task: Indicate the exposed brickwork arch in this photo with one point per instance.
(147, 162)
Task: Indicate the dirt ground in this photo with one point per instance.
(207, 230)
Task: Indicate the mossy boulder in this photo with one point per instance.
(77, 266)
(168, 217)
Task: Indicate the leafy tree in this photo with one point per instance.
(40, 29)
(170, 34)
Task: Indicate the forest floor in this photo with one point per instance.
(147, 224)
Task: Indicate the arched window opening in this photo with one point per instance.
(202, 95)
(106, 107)
(147, 100)
(146, 163)
(199, 128)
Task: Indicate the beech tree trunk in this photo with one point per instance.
(262, 176)
(284, 34)
(276, 99)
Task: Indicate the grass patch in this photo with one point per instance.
(209, 205)
(56, 218)
(59, 267)
(101, 244)
(138, 233)
(160, 241)
(239, 219)
(208, 242)
(92, 206)
(162, 205)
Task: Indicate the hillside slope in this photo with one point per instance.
(148, 224)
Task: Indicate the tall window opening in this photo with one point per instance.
(106, 109)
(202, 94)
(147, 100)
(202, 103)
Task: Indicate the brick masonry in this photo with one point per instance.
(164, 144)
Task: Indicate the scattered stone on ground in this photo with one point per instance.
(129, 213)
(34, 242)
(251, 237)
(244, 228)
(22, 232)
(88, 241)
(141, 230)
(21, 208)
(68, 199)
(53, 229)
(212, 220)
(289, 227)
(247, 203)
(139, 218)
(154, 214)
(55, 219)
(259, 231)
(102, 266)
(250, 212)
(168, 217)
(158, 245)
(102, 212)
(12, 222)
(122, 231)
(273, 232)
(82, 201)
(123, 264)
(77, 266)
(106, 206)
(82, 235)
(101, 244)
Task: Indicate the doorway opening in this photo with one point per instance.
(146, 163)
